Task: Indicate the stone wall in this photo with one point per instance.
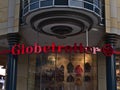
(9, 16)
(112, 16)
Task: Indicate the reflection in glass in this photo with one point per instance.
(63, 71)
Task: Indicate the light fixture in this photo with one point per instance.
(2, 71)
(51, 57)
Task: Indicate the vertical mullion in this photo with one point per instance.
(55, 69)
(84, 71)
(40, 72)
(28, 72)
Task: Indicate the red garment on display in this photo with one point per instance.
(78, 70)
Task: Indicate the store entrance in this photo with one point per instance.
(62, 71)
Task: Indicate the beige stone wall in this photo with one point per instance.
(9, 16)
(112, 15)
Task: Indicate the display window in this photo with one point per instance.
(62, 71)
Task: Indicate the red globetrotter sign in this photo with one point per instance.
(18, 49)
(107, 50)
(22, 49)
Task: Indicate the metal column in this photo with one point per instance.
(111, 63)
(11, 77)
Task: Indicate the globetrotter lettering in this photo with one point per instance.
(18, 49)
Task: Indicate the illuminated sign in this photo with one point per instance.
(18, 49)
(37, 49)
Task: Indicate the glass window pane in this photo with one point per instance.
(97, 2)
(34, 6)
(76, 3)
(88, 6)
(26, 10)
(61, 2)
(59, 71)
(91, 1)
(97, 10)
(31, 1)
(46, 3)
(25, 3)
(65, 72)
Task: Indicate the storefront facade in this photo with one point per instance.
(58, 44)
